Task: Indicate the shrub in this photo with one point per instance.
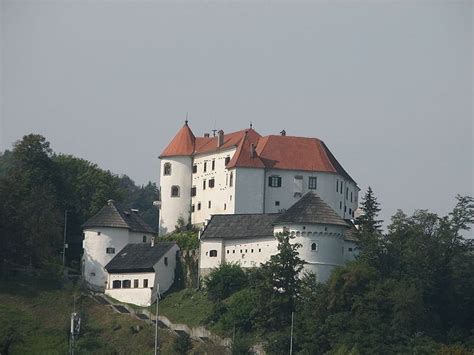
(224, 281)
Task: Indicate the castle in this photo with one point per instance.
(243, 172)
(241, 189)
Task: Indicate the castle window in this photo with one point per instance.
(110, 250)
(167, 169)
(135, 283)
(166, 261)
(350, 249)
(230, 197)
(213, 253)
(274, 181)
(98, 233)
(251, 250)
(174, 191)
(193, 191)
(337, 185)
(195, 169)
(345, 209)
(347, 193)
(340, 205)
(204, 184)
(314, 247)
(145, 283)
(233, 251)
(312, 182)
(144, 239)
(117, 284)
(199, 206)
(193, 208)
(227, 160)
(260, 250)
(212, 183)
(227, 251)
(351, 196)
(350, 211)
(225, 206)
(126, 284)
(209, 204)
(205, 166)
(231, 180)
(213, 165)
(277, 203)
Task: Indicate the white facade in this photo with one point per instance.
(176, 173)
(243, 190)
(141, 288)
(100, 245)
(217, 199)
(323, 248)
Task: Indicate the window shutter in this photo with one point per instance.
(279, 181)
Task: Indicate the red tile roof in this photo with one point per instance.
(181, 144)
(298, 153)
(276, 152)
(242, 157)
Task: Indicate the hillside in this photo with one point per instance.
(34, 319)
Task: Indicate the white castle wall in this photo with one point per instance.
(326, 189)
(175, 207)
(95, 256)
(222, 195)
(249, 190)
(165, 273)
(329, 251)
(141, 296)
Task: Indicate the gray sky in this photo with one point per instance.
(387, 85)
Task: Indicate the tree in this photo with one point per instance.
(279, 285)
(224, 281)
(368, 222)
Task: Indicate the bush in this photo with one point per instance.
(224, 281)
(182, 344)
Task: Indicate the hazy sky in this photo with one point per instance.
(387, 85)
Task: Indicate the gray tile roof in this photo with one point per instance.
(111, 215)
(310, 209)
(138, 257)
(238, 226)
(351, 232)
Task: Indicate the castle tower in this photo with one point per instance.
(176, 179)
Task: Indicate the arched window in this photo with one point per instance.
(167, 169)
(213, 253)
(314, 247)
(144, 239)
(174, 191)
(117, 284)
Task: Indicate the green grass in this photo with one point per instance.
(34, 319)
(187, 306)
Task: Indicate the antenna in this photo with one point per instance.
(186, 121)
(251, 124)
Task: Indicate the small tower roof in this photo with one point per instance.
(243, 156)
(182, 143)
(113, 216)
(310, 209)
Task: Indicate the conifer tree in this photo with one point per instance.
(368, 221)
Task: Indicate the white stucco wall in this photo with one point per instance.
(205, 260)
(173, 208)
(249, 252)
(326, 189)
(350, 250)
(222, 195)
(165, 273)
(249, 190)
(141, 296)
(95, 256)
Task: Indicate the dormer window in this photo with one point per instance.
(167, 169)
(174, 191)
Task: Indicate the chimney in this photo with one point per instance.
(110, 202)
(206, 135)
(220, 138)
(253, 153)
(283, 133)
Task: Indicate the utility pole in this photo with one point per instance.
(64, 241)
(156, 317)
(291, 334)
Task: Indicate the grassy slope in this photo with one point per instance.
(34, 317)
